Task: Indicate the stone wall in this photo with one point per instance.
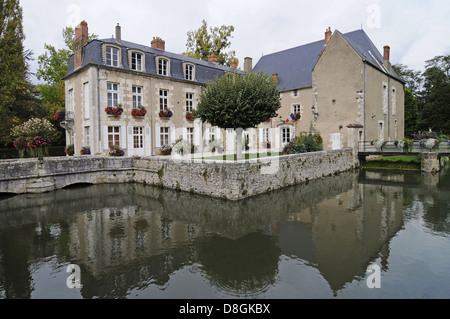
(222, 179)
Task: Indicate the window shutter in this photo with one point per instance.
(218, 133)
(185, 133)
(172, 134)
(147, 141)
(130, 148)
(261, 135)
(277, 138)
(105, 137)
(157, 135)
(197, 134)
(270, 134)
(123, 136)
(292, 132)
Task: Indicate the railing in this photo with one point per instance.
(366, 147)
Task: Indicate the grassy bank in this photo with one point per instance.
(395, 162)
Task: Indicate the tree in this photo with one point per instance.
(436, 95)
(239, 101)
(412, 78)
(411, 114)
(17, 101)
(205, 41)
(53, 66)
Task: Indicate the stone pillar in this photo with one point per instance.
(430, 162)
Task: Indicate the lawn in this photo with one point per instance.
(397, 162)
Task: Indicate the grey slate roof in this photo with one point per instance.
(294, 66)
(205, 71)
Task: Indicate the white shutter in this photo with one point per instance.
(197, 129)
(130, 144)
(105, 137)
(123, 136)
(172, 135)
(261, 135)
(270, 135)
(218, 133)
(147, 141)
(206, 137)
(185, 133)
(277, 138)
(292, 132)
(157, 135)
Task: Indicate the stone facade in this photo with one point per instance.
(225, 179)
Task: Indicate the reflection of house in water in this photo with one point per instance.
(342, 235)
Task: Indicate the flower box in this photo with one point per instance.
(138, 112)
(59, 116)
(166, 150)
(85, 150)
(114, 111)
(165, 114)
(115, 150)
(190, 116)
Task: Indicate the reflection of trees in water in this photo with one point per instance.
(435, 217)
(243, 266)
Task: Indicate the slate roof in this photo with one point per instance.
(204, 72)
(294, 66)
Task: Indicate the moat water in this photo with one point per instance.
(314, 240)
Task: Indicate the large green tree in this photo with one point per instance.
(205, 41)
(239, 101)
(16, 96)
(411, 114)
(436, 95)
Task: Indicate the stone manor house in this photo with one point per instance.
(341, 87)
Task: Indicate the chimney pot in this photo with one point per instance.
(387, 53)
(158, 43)
(248, 64)
(212, 58)
(327, 35)
(118, 34)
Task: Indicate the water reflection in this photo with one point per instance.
(131, 237)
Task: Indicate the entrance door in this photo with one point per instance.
(138, 141)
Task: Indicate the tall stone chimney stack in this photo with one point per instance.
(328, 34)
(387, 57)
(248, 64)
(118, 34)
(81, 39)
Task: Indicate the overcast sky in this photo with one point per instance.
(416, 30)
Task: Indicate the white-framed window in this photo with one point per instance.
(136, 61)
(164, 136)
(86, 100)
(113, 94)
(87, 136)
(112, 56)
(265, 135)
(113, 135)
(163, 66)
(285, 135)
(138, 137)
(189, 102)
(189, 72)
(163, 99)
(137, 96)
(190, 135)
(211, 135)
(296, 108)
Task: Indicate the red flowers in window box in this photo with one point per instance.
(116, 111)
(165, 114)
(190, 116)
(59, 116)
(140, 111)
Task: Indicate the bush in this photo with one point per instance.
(304, 143)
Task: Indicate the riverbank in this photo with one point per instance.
(403, 162)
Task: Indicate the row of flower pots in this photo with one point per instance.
(116, 111)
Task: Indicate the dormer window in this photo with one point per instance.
(136, 61)
(189, 71)
(163, 66)
(112, 56)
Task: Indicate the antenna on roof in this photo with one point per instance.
(361, 26)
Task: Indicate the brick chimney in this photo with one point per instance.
(248, 64)
(327, 35)
(275, 77)
(234, 64)
(387, 57)
(118, 34)
(81, 39)
(212, 58)
(158, 43)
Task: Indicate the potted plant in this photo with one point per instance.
(115, 150)
(166, 150)
(165, 114)
(429, 144)
(190, 116)
(379, 144)
(138, 112)
(114, 111)
(85, 150)
(59, 116)
(69, 150)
